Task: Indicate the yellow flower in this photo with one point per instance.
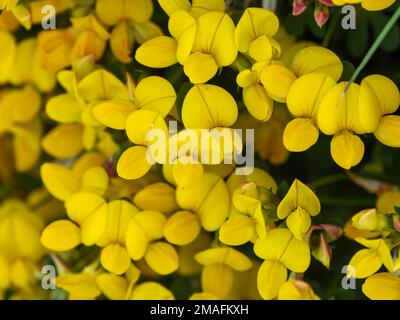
(79, 129)
(131, 21)
(208, 199)
(219, 264)
(85, 205)
(201, 46)
(7, 55)
(20, 248)
(26, 67)
(19, 109)
(281, 251)
(297, 290)
(144, 199)
(8, 4)
(370, 220)
(114, 255)
(303, 101)
(196, 8)
(297, 206)
(54, 48)
(91, 38)
(144, 230)
(370, 5)
(382, 286)
(254, 34)
(368, 261)
(80, 286)
(278, 79)
(255, 205)
(387, 102)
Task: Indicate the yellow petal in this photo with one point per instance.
(80, 285)
(254, 23)
(144, 227)
(387, 97)
(155, 93)
(365, 263)
(208, 106)
(382, 286)
(277, 80)
(299, 196)
(112, 286)
(64, 141)
(200, 7)
(257, 102)
(182, 228)
(7, 55)
(317, 59)
(82, 204)
(261, 49)
(299, 222)
(146, 31)
(209, 199)
(113, 113)
(300, 134)
(271, 277)
(183, 27)
(388, 131)
(158, 52)
(347, 150)
(122, 41)
(215, 35)
(4, 274)
(162, 258)
(200, 68)
(95, 180)
(61, 235)
(139, 124)
(102, 85)
(115, 259)
(281, 245)
(151, 291)
(224, 255)
(237, 230)
(218, 280)
(133, 163)
(164, 194)
(339, 109)
(372, 5)
(59, 181)
(186, 175)
(171, 6)
(387, 202)
(306, 94)
(64, 108)
(27, 103)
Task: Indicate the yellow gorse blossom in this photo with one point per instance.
(195, 7)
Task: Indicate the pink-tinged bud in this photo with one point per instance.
(332, 231)
(323, 252)
(396, 222)
(321, 15)
(299, 6)
(328, 3)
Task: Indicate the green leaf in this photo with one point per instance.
(283, 189)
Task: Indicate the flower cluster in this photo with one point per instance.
(79, 106)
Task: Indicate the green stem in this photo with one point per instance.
(349, 202)
(328, 180)
(376, 45)
(331, 30)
